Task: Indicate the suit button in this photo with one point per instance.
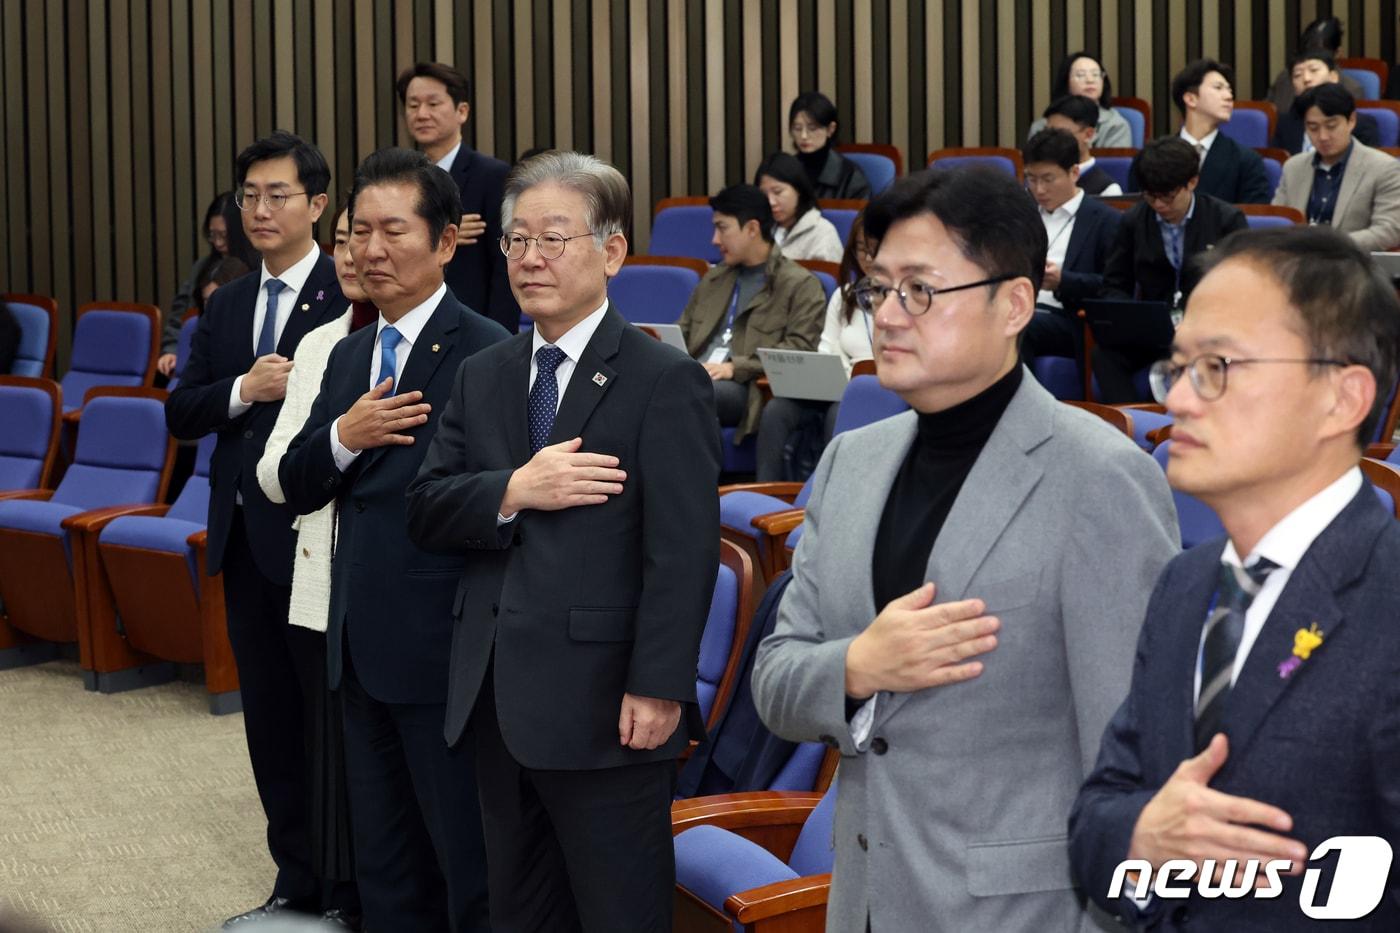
(879, 746)
(248, 435)
(305, 552)
(359, 506)
(328, 484)
(495, 609)
(861, 841)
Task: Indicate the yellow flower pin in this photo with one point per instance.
(1305, 640)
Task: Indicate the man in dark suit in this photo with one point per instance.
(1264, 713)
(1311, 68)
(1151, 257)
(234, 383)
(418, 850)
(578, 465)
(1079, 230)
(436, 101)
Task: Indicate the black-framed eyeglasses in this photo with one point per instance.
(915, 295)
(550, 245)
(275, 200)
(1209, 373)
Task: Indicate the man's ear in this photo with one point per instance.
(615, 252)
(446, 245)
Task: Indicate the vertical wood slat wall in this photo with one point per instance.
(121, 118)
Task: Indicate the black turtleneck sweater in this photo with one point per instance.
(948, 443)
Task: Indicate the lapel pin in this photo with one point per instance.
(306, 307)
(437, 347)
(599, 379)
(321, 295)
(1305, 642)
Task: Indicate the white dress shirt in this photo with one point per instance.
(1207, 142)
(293, 279)
(409, 327)
(445, 163)
(849, 340)
(1284, 544)
(1059, 228)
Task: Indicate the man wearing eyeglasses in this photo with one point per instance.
(1264, 712)
(576, 468)
(234, 383)
(960, 622)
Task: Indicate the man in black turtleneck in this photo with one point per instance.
(965, 600)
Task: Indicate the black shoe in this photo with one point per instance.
(274, 905)
(335, 917)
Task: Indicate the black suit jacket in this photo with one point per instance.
(1288, 132)
(579, 605)
(390, 600)
(1323, 744)
(477, 273)
(1091, 240)
(1138, 266)
(221, 350)
(1234, 174)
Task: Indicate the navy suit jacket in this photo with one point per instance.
(1323, 744)
(1081, 276)
(390, 601)
(477, 273)
(221, 350)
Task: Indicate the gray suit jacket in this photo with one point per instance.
(958, 821)
(1368, 206)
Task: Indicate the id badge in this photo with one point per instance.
(718, 355)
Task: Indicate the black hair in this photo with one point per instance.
(1310, 55)
(1325, 32)
(1166, 164)
(785, 168)
(1348, 309)
(1188, 80)
(313, 173)
(459, 86)
(438, 200)
(1050, 145)
(1082, 110)
(986, 211)
(745, 203)
(238, 243)
(816, 105)
(848, 273)
(215, 209)
(1059, 87)
(1332, 99)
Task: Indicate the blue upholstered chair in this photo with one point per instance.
(655, 289)
(38, 334)
(1252, 124)
(1060, 376)
(1147, 418)
(1007, 160)
(1196, 520)
(754, 862)
(123, 457)
(842, 215)
(1370, 81)
(1117, 163)
(1387, 114)
(1265, 216)
(826, 273)
(114, 344)
(182, 351)
(726, 628)
(30, 410)
(1138, 113)
(881, 163)
(683, 227)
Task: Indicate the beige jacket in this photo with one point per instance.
(1368, 206)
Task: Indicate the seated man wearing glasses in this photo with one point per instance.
(1264, 713)
(957, 622)
(1151, 259)
(756, 297)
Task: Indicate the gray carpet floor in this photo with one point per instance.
(131, 812)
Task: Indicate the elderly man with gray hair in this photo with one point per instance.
(576, 468)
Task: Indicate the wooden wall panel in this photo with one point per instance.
(121, 118)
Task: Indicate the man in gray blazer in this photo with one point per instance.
(1342, 182)
(967, 593)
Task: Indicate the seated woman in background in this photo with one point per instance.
(1082, 74)
(812, 123)
(799, 228)
(793, 432)
(215, 232)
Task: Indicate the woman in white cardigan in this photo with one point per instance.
(329, 817)
(799, 229)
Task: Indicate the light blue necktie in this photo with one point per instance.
(267, 337)
(388, 360)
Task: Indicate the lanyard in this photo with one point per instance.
(733, 312)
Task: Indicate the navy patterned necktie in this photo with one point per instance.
(544, 395)
(267, 337)
(1224, 631)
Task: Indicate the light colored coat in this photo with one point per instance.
(960, 822)
(811, 237)
(1368, 205)
(311, 568)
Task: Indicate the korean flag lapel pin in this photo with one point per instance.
(599, 379)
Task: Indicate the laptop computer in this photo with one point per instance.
(669, 334)
(803, 374)
(1130, 324)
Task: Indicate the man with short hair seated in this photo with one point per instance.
(1309, 69)
(1151, 259)
(1079, 117)
(756, 297)
(1342, 183)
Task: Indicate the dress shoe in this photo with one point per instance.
(274, 905)
(335, 917)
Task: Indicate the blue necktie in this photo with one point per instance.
(267, 337)
(544, 395)
(1224, 631)
(388, 360)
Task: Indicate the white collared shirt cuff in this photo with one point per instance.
(236, 405)
(863, 723)
(502, 520)
(344, 457)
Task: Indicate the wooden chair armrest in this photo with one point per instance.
(780, 897)
(785, 491)
(1157, 435)
(779, 523)
(95, 519)
(1145, 406)
(73, 417)
(1379, 451)
(199, 540)
(39, 495)
(739, 811)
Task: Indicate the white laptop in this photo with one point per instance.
(803, 374)
(670, 335)
(1389, 264)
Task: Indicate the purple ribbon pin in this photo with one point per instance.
(1286, 668)
(321, 295)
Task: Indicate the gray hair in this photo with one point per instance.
(606, 195)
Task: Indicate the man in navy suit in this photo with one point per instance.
(1080, 231)
(1204, 93)
(418, 847)
(1264, 713)
(234, 383)
(436, 101)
